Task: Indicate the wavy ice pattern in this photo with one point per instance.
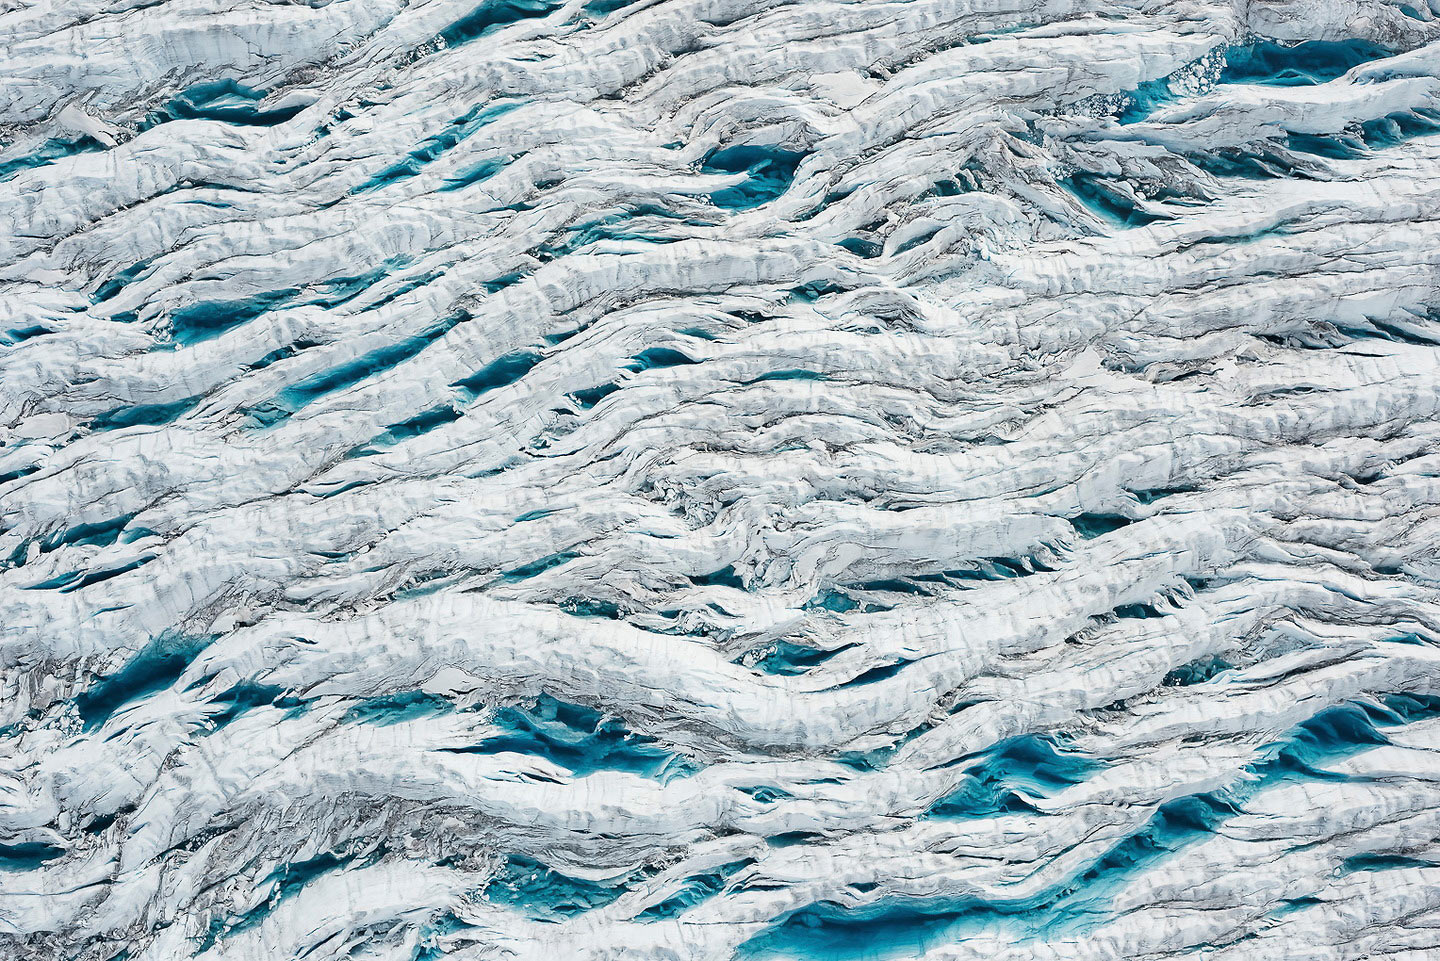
(720, 479)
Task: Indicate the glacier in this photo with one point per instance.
(720, 480)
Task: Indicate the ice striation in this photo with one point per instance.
(720, 479)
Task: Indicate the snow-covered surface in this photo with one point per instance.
(708, 479)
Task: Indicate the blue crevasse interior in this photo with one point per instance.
(398, 708)
(1301, 64)
(895, 928)
(601, 8)
(434, 146)
(788, 659)
(544, 894)
(285, 882)
(1096, 194)
(1264, 62)
(1396, 128)
(1244, 164)
(501, 372)
(1090, 526)
(769, 171)
(837, 602)
(413, 282)
(619, 225)
(152, 669)
(588, 397)
(695, 890)
(726, 576)
(224, 100)
(11, 336)
(208, 319)
(923, 585)
(205, 320)
(581, 739)
(118, 281)
(27, 856)
(423, 422)
(881, 672)
(1383, 862)
(491, 15)
(1196, 672)
(94, 534)
(339, 290)
(536, 567)
(1030, 765)
(1387, 131)
(297, 396)
(657, 358)
(792, 373)
(431, 948)
(1337, 732)
(245, 696)
(1144, 100)
(76, 579)
(49, 152)
(591, 607)
(1270, 63)
(475, 173)
(570, 735)
(142, 414)
(861, 247)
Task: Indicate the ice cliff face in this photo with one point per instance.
(708, 479)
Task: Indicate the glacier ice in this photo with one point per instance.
(720, 479)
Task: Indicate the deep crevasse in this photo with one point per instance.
(708, 479)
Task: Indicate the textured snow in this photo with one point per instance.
(710, 479)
